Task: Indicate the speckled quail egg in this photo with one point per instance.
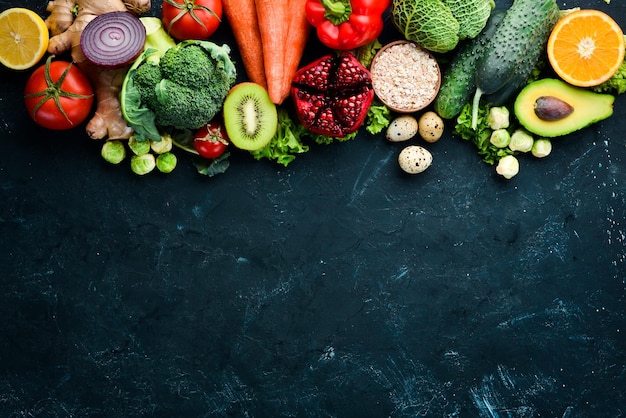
(414, 159)
(430, 126)
(402, 128)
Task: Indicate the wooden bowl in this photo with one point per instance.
(405, 76)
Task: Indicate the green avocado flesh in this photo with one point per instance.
(588, 107)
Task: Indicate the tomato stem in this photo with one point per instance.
(54, 91)
(190, 6)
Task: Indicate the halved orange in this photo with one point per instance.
(586, 47)
(23, 38)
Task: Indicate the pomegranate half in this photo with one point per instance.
(333, 94)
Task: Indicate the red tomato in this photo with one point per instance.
(50, 83)
(211, 140)
(191, 19)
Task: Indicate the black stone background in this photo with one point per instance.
(336, 287)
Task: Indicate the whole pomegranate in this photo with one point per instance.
(333, 94)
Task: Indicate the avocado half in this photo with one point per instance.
(588, 107)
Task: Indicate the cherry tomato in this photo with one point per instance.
(58, 95)
(191, 19)
(211, 140)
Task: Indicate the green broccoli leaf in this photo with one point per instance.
(138, 116)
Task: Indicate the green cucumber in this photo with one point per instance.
(505, 95)
(515, 47)
(458, 80)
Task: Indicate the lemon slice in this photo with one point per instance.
(23, 38)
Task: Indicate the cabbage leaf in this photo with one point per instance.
(472, 15)
(429, 23)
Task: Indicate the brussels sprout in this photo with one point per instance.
(162, 146)
(521, 141)
(500, 138)
(138, 147)
(498, 117)
(142, 164)
(166, 162)
(542, 147)
(113, 152)
(508, 166)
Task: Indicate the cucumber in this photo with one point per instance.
(505, 94)
(458, 80)
(515, 47)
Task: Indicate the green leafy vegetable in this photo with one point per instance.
(211, 168)
(286, 142)
(471, 15)
(175, 85)
(365, 54)
(166, 162)
(481, 135)
(327, 140)
(378, 118)
(429, 23)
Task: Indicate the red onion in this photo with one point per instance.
(113, 39)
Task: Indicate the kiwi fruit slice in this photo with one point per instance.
(250, 117)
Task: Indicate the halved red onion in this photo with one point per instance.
(113, 39)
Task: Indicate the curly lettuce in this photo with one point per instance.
(489, 153)
(286, 143)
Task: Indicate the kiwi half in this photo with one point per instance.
(250, 117)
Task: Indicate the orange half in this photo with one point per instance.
(23, 38)
(586, 47)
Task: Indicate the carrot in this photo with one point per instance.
(297, 36)
(273, 17)
(271, 36)
(242, 17)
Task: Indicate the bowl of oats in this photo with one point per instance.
(405, 76)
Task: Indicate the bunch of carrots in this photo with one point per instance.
(271, 36)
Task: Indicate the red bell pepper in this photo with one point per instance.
(346, 24)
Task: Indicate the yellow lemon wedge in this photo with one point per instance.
(23, 38)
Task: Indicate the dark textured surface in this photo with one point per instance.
(337, 287)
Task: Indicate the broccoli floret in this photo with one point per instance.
(146, 78)
(183, 107)
(196, 77)
(189, 66)
(180, 85)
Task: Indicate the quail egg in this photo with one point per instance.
(402, 128)
(414, 159)
(430, 126)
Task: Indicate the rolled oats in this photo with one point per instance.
(405, 77)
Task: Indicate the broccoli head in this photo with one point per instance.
(195, 77)
(182, 85)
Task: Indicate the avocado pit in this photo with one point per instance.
(550, 108)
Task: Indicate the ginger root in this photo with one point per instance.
(66, 22)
